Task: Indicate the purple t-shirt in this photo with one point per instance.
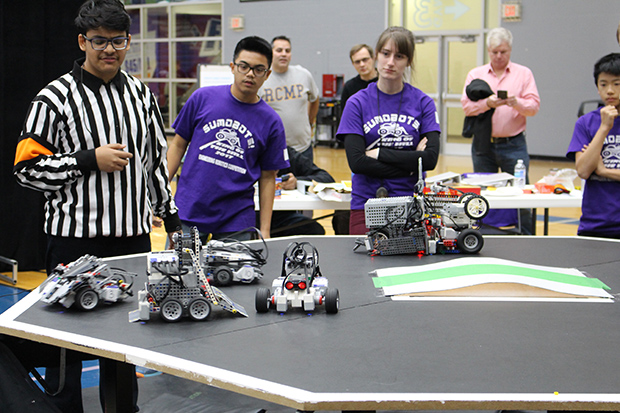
(231, 142)
(600, 208)
(392, 121)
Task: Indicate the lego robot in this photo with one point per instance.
(300, 285)
(434, 220)
(225, 262)
(85, 283)
(177, 286)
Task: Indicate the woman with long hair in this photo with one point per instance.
(387, 128)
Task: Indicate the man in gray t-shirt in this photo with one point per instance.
(293, 94)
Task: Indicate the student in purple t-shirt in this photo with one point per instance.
(236, 140)
(387, 127)
(595, 148)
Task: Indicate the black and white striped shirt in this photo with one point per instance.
(66, 121)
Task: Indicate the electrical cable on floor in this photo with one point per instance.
(14, 294)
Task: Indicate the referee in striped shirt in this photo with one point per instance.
(93, 141)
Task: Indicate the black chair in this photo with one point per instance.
(582, 108)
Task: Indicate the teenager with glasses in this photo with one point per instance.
(236, 140)
(94, 143)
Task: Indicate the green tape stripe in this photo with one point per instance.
(478, 269)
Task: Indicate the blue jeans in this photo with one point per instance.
(503, 157)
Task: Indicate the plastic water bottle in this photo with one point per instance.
(278, 193)
(519, 174)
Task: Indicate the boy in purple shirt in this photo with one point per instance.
(237, 140)
(595, 147)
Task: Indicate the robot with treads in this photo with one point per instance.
(177, 285)
(434, 220)
(228, 261)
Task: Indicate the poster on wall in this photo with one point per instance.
(213, 75)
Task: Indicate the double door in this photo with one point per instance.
(440, 68)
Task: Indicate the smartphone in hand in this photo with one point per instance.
(502, 94)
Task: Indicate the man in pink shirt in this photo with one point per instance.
(514, 98)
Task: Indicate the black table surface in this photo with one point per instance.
(378, 349)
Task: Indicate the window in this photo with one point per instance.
(168, 42)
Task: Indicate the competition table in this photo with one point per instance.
(375, 354)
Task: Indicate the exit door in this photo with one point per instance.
(440, 68)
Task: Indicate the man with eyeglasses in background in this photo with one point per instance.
(236, 140)
(293, 93)
(362, 57)
(94, 143)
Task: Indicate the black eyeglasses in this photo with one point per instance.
(259, 71)
(101, 43)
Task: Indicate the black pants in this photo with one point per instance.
(65, 250)
(287, 223)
